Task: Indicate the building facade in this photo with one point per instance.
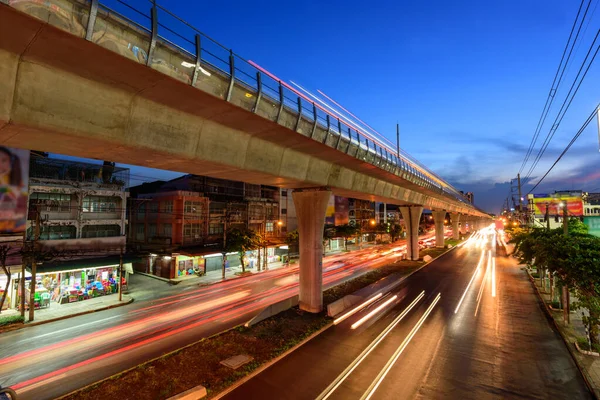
(181, 225)
(76, 230)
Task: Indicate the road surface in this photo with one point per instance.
(49, 360)
(475, 331)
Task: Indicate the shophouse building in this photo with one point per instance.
(76, 229)
(181, 227)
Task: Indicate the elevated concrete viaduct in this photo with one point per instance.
(106, 88)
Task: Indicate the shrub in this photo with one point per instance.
(11, 319)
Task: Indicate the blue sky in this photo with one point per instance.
(466, 80)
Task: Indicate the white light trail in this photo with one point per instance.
(485, 275)
(375, 311)
(371, 390)
(470, 282)
(354, 364)
(356, 309)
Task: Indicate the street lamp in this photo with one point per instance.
(372, 222)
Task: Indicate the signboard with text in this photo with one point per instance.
(14, 179)
(554, 203)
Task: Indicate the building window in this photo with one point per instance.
(215, 229)
(167, 230)
(49, 202)
(96, 231)
(141, 212)
(167, 206)
(152, 230)
(284, 193)
(54, 232)
(283, 211)
(139, 229)
(193, 207)
(192, 230)
(153, 208)
(101, 204)
(269, 227)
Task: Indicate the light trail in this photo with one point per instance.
(484, 280)
(372, 313)
(361, 357)
(356, 309)
(381, 376)
(360, 120)
(470, 282)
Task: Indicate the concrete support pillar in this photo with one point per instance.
(438, 220)
(412, 216)
(311, 205)
(455, 229)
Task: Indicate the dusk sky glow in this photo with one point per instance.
(466, 81)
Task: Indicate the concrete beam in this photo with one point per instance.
(411, 217)
(311, 205)
(438, 220)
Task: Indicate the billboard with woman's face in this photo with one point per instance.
(14, 179)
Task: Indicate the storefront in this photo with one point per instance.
(76, 280)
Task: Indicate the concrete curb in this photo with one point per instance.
(542, 303)
(266, 365)
(35, 323)
(195, 393)
(586, 352)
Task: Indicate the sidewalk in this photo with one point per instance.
(61, 311)
(588, 365)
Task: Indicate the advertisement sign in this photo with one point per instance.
(553, 203)
(330, 213)
(341, 211)
(14, 179)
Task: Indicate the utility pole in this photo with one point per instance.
(32, 285)
(398, 138)
(548, 216)
(565, 289)
(520, 199)
(120, 286)
(225, 237)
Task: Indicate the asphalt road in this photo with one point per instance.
(486, 337)
(49, 360)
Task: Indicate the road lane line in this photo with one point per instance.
(470, 282)
(342, 377)
(356, 309)
(382, 374)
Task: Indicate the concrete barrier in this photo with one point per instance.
(274, 309)
(383, 285)
(195, 393)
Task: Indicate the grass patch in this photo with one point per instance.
(199, 364)
(453, 242)
(584, 345)
(11, 322)
(11, 319)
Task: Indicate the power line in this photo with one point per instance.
(553, 90)
(575, 137)
(566, 103)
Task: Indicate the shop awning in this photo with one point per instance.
(83, 263)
